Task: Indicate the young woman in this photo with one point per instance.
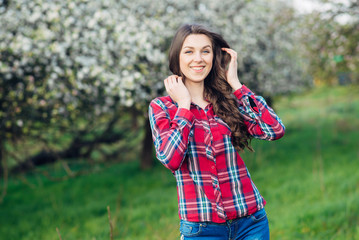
(198, 130)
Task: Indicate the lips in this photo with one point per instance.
(197, 68)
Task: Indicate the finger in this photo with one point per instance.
(166, 85)
(179, 80)
(173, 78)
(233, 57)
(233, 54)
(227, 50)
(172, 81)
(230, 52)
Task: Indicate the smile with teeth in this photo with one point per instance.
(198, 68)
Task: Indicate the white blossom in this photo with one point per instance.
(120, 47)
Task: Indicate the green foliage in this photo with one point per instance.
(331, 43)
(66, 62)
(309, 179)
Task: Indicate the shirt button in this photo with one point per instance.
(213, 167)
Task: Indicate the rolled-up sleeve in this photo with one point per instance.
(170, 136)
(262, 122)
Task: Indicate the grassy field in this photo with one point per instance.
(310, 179)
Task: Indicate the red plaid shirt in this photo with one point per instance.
(213, 183)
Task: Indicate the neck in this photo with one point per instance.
(195, 90)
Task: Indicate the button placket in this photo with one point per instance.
(217, 193)
(208, 124)
(208, 138)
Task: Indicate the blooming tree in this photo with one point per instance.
(75, 66)
(331, 37)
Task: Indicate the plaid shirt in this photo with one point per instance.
(213, 183)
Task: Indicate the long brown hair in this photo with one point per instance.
(217, 90)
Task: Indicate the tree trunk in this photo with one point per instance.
(1, 158)
(77, 149)
(4, 171)
(147, 148)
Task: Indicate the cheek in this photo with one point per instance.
(183, 62)
(209, 60)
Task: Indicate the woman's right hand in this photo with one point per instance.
(178, 91)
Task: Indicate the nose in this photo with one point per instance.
(198, 57)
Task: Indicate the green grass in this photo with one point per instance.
(309, 178)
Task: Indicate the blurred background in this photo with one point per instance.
(76, 79)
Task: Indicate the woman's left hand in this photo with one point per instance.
(232, 76)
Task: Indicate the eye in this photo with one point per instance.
(187, 52)
(206, 51)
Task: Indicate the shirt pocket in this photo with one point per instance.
(223, 127)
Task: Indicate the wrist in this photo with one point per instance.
(235, 85)
(185, 105)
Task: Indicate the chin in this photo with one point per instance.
(196, 78)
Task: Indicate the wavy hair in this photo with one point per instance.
(216, 90)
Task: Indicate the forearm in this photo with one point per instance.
(262, 121)
(170, 136)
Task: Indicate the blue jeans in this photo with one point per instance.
(252, 227)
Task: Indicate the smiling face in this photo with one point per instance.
(196, 57)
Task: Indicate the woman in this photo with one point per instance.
(198, 130)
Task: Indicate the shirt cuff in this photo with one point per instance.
(183, 113)
(242, 91)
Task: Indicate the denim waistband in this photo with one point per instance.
(227, 222)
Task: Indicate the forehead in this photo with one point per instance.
(196, 41)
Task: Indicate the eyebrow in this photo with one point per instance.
(193, 47)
